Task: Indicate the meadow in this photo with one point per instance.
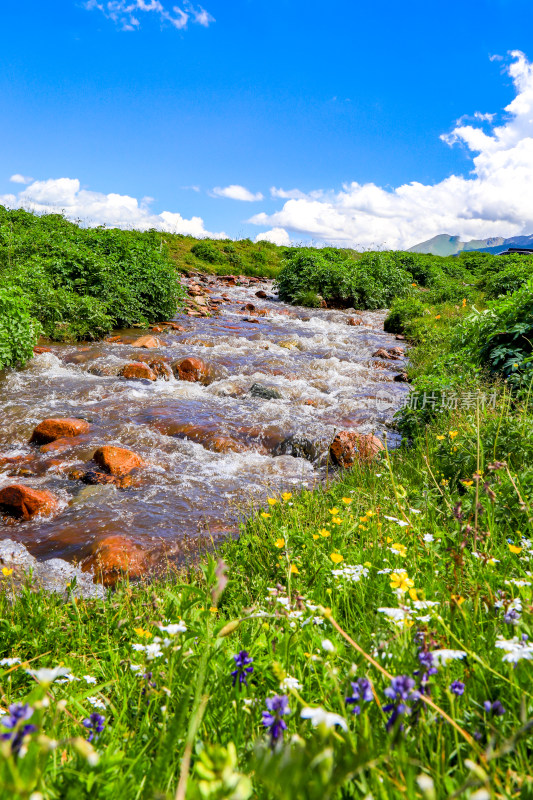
(369, 639)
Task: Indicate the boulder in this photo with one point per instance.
(175, 326)
(224, 444)
(191, 369)
(117, 461)
(22, 502)
(349, 447)
(298, 447)
(113, 558)
(396, 351)
(138, 370)
(38, 350)
(381, 353)
(264, 392)
(161, 369)
(62, 445)
(146, 341)
(354, 321)
(401, 377)
(51, 429)
(262, 294)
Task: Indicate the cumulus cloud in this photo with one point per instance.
(235, 192)
(276, 236)
(494, 199)
(65, 196)
(18, 178)
(126, 13)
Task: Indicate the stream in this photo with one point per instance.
(212, 451)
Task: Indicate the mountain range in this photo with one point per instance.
(446, 245)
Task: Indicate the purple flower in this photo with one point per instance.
(277, 707)
(426, 659)
(511, 617)
(15, 723)
(400, 690)
(95, 723)
(242, 661)
(457, 687)
(361, 691)
(495, 708)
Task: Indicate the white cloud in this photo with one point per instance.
(235, 192)
(276, 236)
(123, 13)
(495, 199)
(18, 178)
(65, 195)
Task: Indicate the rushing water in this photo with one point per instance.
(322, 367)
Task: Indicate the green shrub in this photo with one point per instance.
(402, 312)
(18, 331)
(207, 252)
(508, 280)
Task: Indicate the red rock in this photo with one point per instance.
(161, 369)
(156, 329)
(112, 339)
(224, 444)
(117, 460)
(62, 444)
(354, 321)
(248, 307)
(175, 326)
(261, 293)
(21, 501)
(113, 558)
(37, 351)
(400, 337)
(146, 341)
(51, 429)
(396, 351)
(349, 447)
(138, 370)
(191, 369)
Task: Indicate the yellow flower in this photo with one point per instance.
(458, 599)
(336, 558)
(401, 581)
(142, 633)
(370, 513)
(316, 536)
(389, 540)
(401, 549)
(7, 572)
(334, 510)
(294, 570)
(347, 500)
(467, 483)
(336, 520)
(414, 284)
(438, 316)
(279, 543)
(265, 515)
(464, 302)
(367, 564)
(213, 610)
(363, 519)
(325, 533)
(453, 434)
(512, 547)
(271, 501)
(413, 594)
(362, 527)
(440, 438)
(286, 496)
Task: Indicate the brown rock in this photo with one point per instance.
(349, 447)
(396, 351)
(248, 307)
(191, 369)
(262, 294)
(382, 353)
(160, 369)
(22, 502)
(146, 341)
(224, 444)
(37, 351)
(138, 370)
(112, 339)
(62, 445)
(115, 557)
(400, 337)
(117, 460)
(175, 326)
(51, 429)
(401, 377)
(355, 321)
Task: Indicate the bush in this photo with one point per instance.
(18, 331)
(207, 252)
(401, 313)
(508, 280)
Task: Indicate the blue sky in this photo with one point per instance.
(306, 97)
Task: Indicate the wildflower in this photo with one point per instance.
(457, 688)
(320, 716)
(464, 302)
(399, 522)
(457, 599)
(401, 582)
(96, 702)
(347, 500)
(428, 537)
(135, 667)
(142, 634)
(440, 437)
(6, 572)
(400, 616)
(89, 679)
(426, 659)
(334, 511)
(278, 707)
(336, 558)
(401, 549)
(290, 683)
(514, 549)
(243, 668)
(47, 676)
(402, 689)
(495, 708)
(271, 501)
(213, 610)
(453, 434)
(265, 515)
(361, 692)
(279, 543)
(15, 722)
(438, 316)
(352, 572)
(316, 536)
(9, 662)
(467, 483)
(324, 532)
(294, 570)
(442, 657)
(515, 649)
(95, 723)
(174, 628)
(286, 496)
(328, 646)
(336, 520)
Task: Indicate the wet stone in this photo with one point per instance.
(22, 502)
(117, 461)
(51, 429)
(264, 392)
(297, 447)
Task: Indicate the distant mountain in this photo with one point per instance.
(445, 245)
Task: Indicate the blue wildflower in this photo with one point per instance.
(242, 662)
(400, 690)
(278, 707)
(457, 687)
(495, 708)
(361, 691)
(95, 723)
(426, 659)
(15, 721)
